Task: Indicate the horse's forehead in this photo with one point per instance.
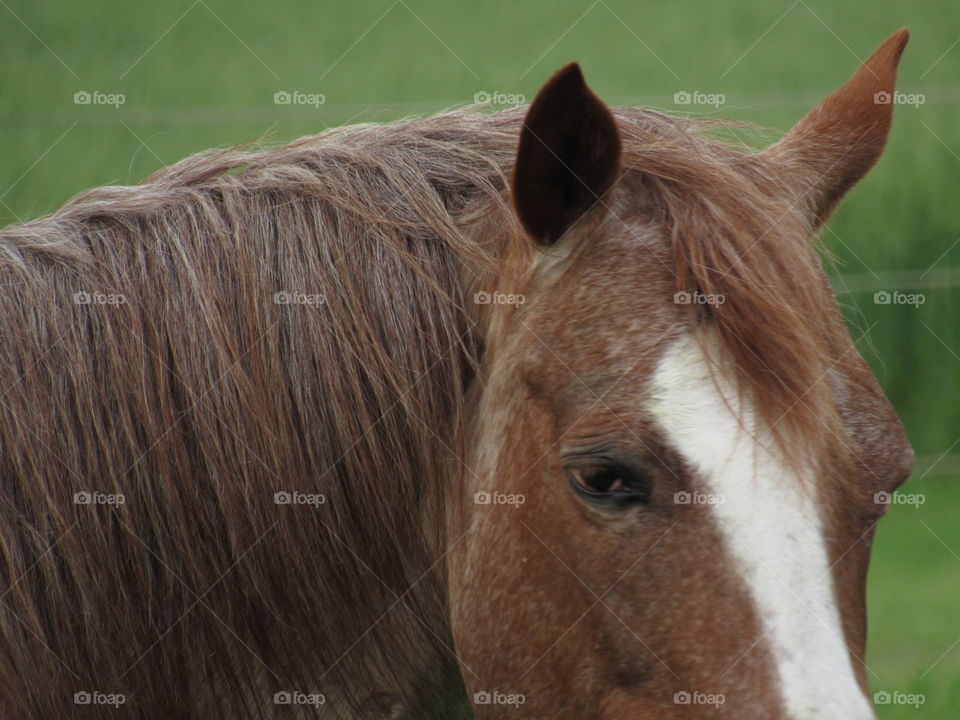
(608, 297)
(611, 308)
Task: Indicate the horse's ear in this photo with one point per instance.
(835, 145)
(568, 157)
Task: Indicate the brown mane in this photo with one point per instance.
(199, 397)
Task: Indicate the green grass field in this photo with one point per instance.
(201, 74)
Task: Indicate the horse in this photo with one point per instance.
(541, 413)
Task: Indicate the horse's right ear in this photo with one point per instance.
(568, 157)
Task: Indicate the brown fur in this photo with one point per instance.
(199, 397)
(842, 138)
(608, 615)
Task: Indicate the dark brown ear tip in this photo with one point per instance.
(567, 157)
(569, 75)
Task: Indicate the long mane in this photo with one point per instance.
(246, 323)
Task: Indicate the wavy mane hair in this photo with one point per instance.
(148, 354)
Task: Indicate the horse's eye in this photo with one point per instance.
(598, 479)
(610, 483)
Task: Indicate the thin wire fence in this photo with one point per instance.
(937, 466)
(179, 115)
(930, 279)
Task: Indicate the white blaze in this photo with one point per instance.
(768, 518)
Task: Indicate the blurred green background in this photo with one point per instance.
(202, 74)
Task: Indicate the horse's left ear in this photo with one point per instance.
(568, 157)
(834, 146)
